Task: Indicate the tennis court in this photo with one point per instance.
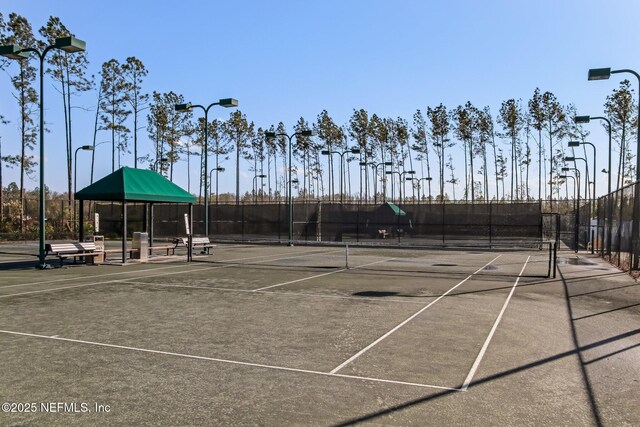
(321, 335)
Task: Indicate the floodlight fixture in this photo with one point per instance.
(13, 51)
(70, 44)
(599, 73)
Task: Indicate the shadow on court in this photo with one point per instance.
(591, 388)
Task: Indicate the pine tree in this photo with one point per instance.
(114, 108)
(538, 120)
(237, 130)
(421, 145)
(359, 131)
(512, 121)
(20, 32)
(134, 72)
(620, 108)
(439, 130)
(69, 70)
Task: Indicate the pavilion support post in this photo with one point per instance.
(190, 236)
(144, 216)
(81, 221)
(150, 225)
(124, 232)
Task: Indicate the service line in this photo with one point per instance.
(373, 344)
(483, 350)
(145, 270)
(320, 275)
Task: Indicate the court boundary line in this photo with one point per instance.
(227, 361)
(404, 322)
(134, 278)
(291, 294)
(320, 275)
(485, 346)
(182, 264)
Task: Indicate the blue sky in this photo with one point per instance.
(286, 59)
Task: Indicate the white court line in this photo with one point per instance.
(292, 294)
(370, 346)
(234, 362)
(150, 275)
(483, 350)
(63, 279)
(320, 275)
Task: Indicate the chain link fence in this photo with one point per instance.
(337, 222)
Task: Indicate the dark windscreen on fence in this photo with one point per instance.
(337, 222)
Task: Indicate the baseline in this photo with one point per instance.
(234, 362)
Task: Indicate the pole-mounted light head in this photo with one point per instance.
(363, 163)
(87, 147)
(582, 119)
(388, 163)
(355, 151)
(12, 51)
(569, 159)
(325, 152)
(70, 44)
(599, 73)
(184, 107)
(228, 102)
(269, 134)
(574, 143)
(411, 172)
(307, 133)
(566, 169)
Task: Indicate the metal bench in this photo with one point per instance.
(167, 248)
(72, 250)
(196, 242)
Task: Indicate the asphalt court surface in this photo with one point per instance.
(266, 319)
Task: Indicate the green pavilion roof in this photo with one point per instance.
(396, 209)
(135, 185)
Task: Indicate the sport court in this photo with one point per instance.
(279, 335)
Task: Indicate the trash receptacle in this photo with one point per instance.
(141, 243)
(99, 242)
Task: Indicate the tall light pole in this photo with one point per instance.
(375, 166)
(160, 160)
(216, 170)
(268, 135)
(341, 154)
(68, 44)
(586, 175)
(255, 189)
(227, 103)
(595, 156)
(592, 198)
(75, 176)
(418, 180)
(574, 200)
(401, 175)
(587, 119)
(604, 74)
